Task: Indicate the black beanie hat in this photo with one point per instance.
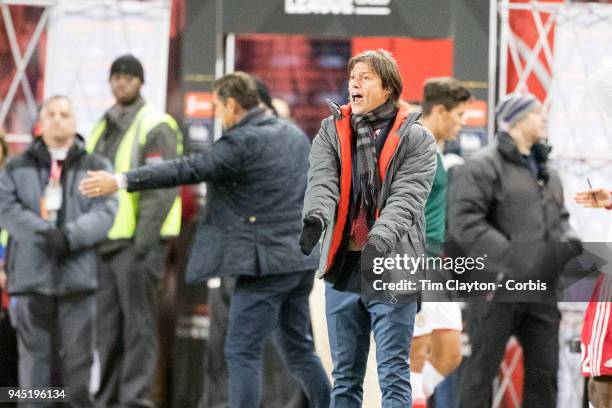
(127, 64)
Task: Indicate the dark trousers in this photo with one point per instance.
(280, 389)
(128, 343)
(350, 320)
(489, 326)
(8, 352)
(274, 306)
(46, 322)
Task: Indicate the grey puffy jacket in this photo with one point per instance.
(400, 227)
(85, 221)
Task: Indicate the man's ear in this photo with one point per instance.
(231, 104)
(438, 110)
(388, 93)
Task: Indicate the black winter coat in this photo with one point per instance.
(498, 207)
(256, 174)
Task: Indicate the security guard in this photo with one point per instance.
(132, 260)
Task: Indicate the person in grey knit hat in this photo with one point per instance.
(506, 202)
(513, 108)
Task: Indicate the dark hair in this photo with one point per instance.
(264, 95)
(4, 148)
(384, 65)
(240, 86)
(444, 91)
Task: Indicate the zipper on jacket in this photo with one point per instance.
(541, 187)
(61, 214)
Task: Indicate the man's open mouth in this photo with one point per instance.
(356, 97)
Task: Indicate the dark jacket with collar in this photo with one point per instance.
(256, 174)
(85, 221)
(499, 207)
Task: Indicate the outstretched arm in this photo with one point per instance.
(221, 162)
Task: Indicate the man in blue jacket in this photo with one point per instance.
(52, 263)
(256, 174)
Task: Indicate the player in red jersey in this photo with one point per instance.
(596, 339)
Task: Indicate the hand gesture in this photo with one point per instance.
(98, 183)
(596, 198)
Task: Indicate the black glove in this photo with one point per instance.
(311, 233)
(371, 267)
(372, 251)
(575, 246)
(55, 241)
(541, 151)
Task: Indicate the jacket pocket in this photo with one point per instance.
(9, 265)
(325, 246)
(418, 244)
(79, 272)
(206, 253)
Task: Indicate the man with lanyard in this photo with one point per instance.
(52, 266)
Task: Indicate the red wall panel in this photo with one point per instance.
(417, 59)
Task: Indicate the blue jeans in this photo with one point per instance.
(349, 322)
(274, 305)
(446, 395)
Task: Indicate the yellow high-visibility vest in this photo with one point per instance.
(4, 238)
(126, 159)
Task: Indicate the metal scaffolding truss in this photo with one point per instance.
(507, 42)
(19, 80)
(21, 60)
(508, 45)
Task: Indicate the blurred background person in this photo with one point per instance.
(132, 259)
(8, 343)
(504, 202)
(596, 337)
(436, 347)
(52, 268)
(282, 108)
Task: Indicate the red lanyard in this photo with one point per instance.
(56, 170)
